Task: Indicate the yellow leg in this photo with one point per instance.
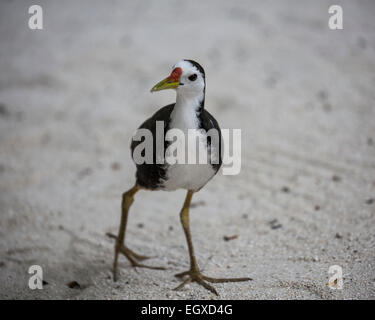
(127, 200)
(194, 274)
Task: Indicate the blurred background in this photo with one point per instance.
(72, 94)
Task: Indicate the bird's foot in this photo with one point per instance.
(194, 275)
(130, 254)
(133, 258)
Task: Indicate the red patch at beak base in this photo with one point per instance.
(176, 75)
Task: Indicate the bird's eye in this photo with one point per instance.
(193, 77)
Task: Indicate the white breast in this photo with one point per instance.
(186, 176)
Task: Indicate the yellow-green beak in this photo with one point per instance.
(167, 83)
(171, 82)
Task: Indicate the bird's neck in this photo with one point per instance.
(187, 110)
(195, 101)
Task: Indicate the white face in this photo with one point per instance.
(191, 81)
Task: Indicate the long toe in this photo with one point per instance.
(196, 276)
(207, 286)
(221, 280)
(182, 274)
(134, 258)
(141, 265)
(126, 251)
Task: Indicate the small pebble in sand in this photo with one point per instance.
(285, 189)
(338, 236)
(73, 285)
(274, 224)
(228, 238)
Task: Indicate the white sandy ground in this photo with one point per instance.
(303, 95)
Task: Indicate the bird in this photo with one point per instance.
(188, 79)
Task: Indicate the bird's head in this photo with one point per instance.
(187, 78)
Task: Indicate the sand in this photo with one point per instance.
(72, 94)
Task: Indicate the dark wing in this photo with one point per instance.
(148, 175)
(209, 122)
